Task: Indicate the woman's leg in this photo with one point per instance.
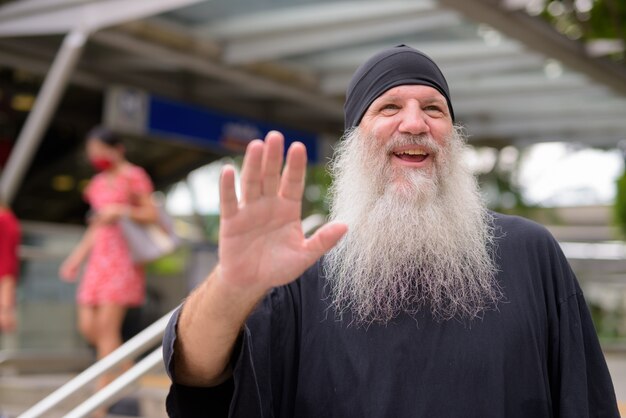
(8, 322)
(88, 324)
(110, 319)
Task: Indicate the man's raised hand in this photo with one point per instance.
(261, 242)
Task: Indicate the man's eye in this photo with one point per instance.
(434, 109)
(389, 108)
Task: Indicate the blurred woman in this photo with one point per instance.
(9, 265)
(111, 282)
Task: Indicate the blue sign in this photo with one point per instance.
(209, 128)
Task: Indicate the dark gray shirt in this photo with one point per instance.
(536, 356)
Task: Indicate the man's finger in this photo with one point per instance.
(251, 180)
(325, 238)
(272, 162)
(292, 180)
(228, 197)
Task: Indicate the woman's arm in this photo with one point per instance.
(69, 268)
(145, 211)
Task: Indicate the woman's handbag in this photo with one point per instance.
(149, 242)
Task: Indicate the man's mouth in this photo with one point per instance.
(411, 155)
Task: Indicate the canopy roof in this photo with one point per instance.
(514, 79)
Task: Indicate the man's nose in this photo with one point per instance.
(413, 121)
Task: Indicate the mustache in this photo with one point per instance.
(424, 141)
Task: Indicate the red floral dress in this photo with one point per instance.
(110, 275)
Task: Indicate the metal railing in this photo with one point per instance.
(116, 389)
(131, 349)
(137, 345)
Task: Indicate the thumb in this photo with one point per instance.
(325, 238)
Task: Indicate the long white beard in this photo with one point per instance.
(416, 239)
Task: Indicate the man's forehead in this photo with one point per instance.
(412, 91)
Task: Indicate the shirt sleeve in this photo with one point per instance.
(585, 388)
(264, 365)
(580, 380)
(140, 181)
(186, 401)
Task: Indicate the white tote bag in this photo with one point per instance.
(149, 242)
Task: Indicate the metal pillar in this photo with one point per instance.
(39, 117)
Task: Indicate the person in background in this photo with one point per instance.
(111, 282)
(9, 267)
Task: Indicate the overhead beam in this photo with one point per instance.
(36, 66)
(310, 16)
(452, 51)
(128, 63)
(573, 92)
(528, 98)
(512, 84)
(563, 126)
(277, 45)
(538, 105)
(205, 67)
(89, 16)
(491, 66)
(25, 7)
(611, 117)
(85, 75)
(539, 35)
(458, 51)
(595, 139)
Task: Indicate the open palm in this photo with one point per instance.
(261, 240)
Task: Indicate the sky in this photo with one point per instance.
(556, 174)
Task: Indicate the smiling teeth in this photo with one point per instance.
(412, 152)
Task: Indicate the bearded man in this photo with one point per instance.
(414, 301)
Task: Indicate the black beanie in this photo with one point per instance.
(400, 65)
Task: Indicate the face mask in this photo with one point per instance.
(101, 164)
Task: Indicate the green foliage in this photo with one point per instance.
(212, 227)
(318, 181)
(607, 323)
(607, 20)
(171, 265)
(619, 207)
